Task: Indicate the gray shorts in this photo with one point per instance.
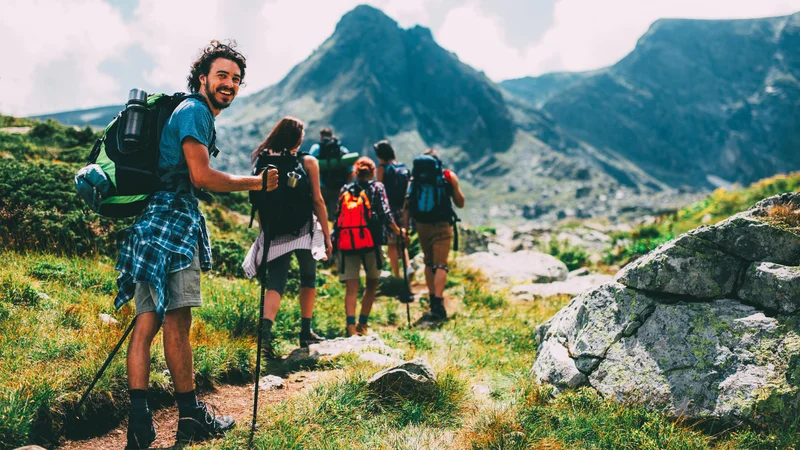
(183, 288)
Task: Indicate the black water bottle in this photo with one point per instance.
(135, 114)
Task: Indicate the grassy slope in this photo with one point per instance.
(52, 342)
(718, 206)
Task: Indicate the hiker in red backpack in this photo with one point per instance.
(431, 195)
(395, 177)
(293, 220)
(358, 230)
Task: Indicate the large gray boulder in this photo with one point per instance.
(772, 286)
(706, 326)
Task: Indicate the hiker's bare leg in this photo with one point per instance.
(350, 297)
(440, 279)
(392, 253)
(178, 348)
(307, 296)
(429, 279)
(144, 331)
(272, 301)
(369, 296)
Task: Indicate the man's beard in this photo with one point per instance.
(213, 99)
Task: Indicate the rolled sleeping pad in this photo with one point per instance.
(346, 161)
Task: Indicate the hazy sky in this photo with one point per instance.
(70, 54)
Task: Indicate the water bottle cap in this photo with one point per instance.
(137, 94)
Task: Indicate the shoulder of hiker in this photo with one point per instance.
(194, 119)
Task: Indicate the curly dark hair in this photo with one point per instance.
(208, 55)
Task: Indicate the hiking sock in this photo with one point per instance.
(187, 403)
(362, 319)
(305, 326)
(266, 327)
(138, 400)
(351, 320)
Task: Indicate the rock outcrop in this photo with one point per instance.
(704, 326)
(521, 267)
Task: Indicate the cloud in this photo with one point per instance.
(51, 39)
(585, 35)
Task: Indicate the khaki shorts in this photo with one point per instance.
(435, 240)
(352, 266)
(183, 288)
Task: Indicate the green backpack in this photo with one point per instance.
(121, 175)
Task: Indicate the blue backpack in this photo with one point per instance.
(429, 194)
(395, 180)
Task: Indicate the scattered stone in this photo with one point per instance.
(43, 296)
(271, 383)
(481, 391)
(573, 286)
(31, 447)
(309, 357)
(408, 380)
(354, 344)
(582, 272)
(772, 286)
(379, 359)
(107, 319)
(519, 267)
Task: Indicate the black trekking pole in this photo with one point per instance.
(263, 267)
(100, 372)
(408, 297)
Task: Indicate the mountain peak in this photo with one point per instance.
(364, 16)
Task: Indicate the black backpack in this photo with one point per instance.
(395, 180)
(331, 149)
(286, 208)
(119, 178)
(429, 196)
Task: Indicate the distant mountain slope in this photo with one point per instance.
(94, 117)
(696, 101)
(538, 90)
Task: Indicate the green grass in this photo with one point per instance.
(718, 206)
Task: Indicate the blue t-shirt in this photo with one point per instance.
(191, 118)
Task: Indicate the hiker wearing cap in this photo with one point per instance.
(293, 220)
(395, 177)
(336, 166)
(361, 218)
(431, 195)
(163, 252)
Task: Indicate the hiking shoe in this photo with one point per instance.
(267, 349)
(362, 330)
(437, 309)
(311, 338)
(141, 432)
(202, 424)
(351, 330)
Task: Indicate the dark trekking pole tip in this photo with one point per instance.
(98, 375)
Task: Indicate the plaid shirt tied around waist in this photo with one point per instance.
(161, 241)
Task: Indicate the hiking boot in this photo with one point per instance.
(267, 349)
(437, 309)
(351, 330)
(362, 330)
(141, 432)
(311, 338)
(202, 424)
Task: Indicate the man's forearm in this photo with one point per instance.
(217, 181)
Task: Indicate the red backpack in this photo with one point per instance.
(354, 222)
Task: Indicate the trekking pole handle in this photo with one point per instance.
(264, 173)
